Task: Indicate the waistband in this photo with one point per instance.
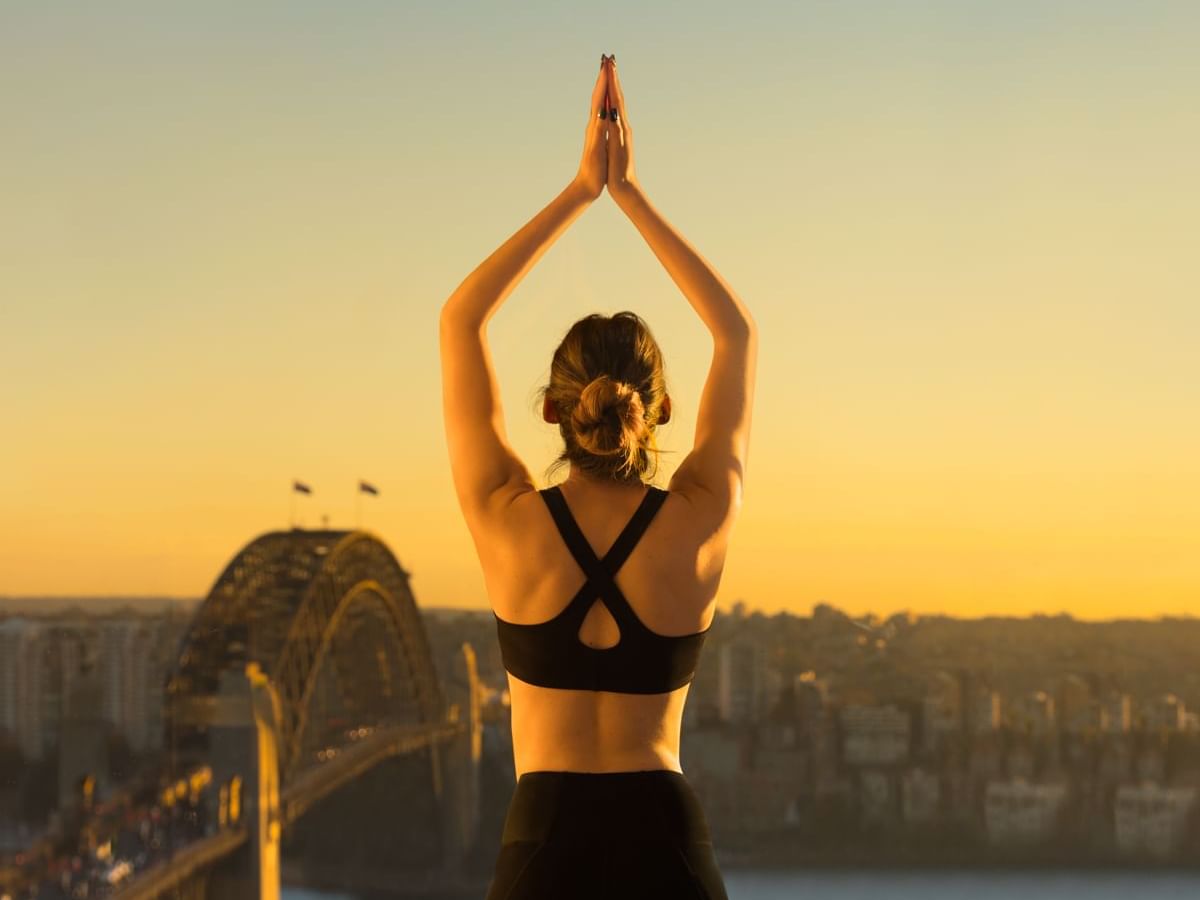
(640, 805)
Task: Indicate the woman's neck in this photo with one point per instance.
(583, 483)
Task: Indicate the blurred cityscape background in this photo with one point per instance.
(817, 740)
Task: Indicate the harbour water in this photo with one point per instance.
(947, 885)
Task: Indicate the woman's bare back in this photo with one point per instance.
(670, 580)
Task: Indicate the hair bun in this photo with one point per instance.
(607, 421)
(608, 416)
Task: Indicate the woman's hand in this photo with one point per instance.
(593, 168)
(622, 182)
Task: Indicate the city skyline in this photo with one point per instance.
(920, 735)
(154, 604)
(964, 236)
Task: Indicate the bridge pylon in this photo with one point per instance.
(244, 734)
(461, 760)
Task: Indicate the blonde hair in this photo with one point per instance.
(608, 385)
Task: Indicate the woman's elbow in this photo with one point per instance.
(738, 330)
(454, 317)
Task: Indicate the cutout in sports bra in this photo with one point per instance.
(550, 653)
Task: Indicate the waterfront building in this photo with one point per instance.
(1153, 819)
(875, 735)
(1018, 811)
(920, 795)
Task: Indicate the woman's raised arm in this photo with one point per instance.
(483, 465)
(718, 460)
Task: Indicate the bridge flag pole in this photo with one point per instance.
(298, 487)
(363, 488)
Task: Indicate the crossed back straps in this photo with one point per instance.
(600, 572)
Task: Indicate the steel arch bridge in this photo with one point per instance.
(330, 618)
(306, 677)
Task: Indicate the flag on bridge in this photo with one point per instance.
(301, 487)
(368, 488)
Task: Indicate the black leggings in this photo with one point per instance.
(594, 835)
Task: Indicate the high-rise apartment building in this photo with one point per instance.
(741, 680)
(21, 685)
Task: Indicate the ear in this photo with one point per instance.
(665, 416)
(549, 413)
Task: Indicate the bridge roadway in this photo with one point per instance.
(308, 788)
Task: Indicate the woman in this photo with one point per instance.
(601, 807)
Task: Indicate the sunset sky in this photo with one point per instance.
(967, 231)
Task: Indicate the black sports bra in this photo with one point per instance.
(550, 654)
